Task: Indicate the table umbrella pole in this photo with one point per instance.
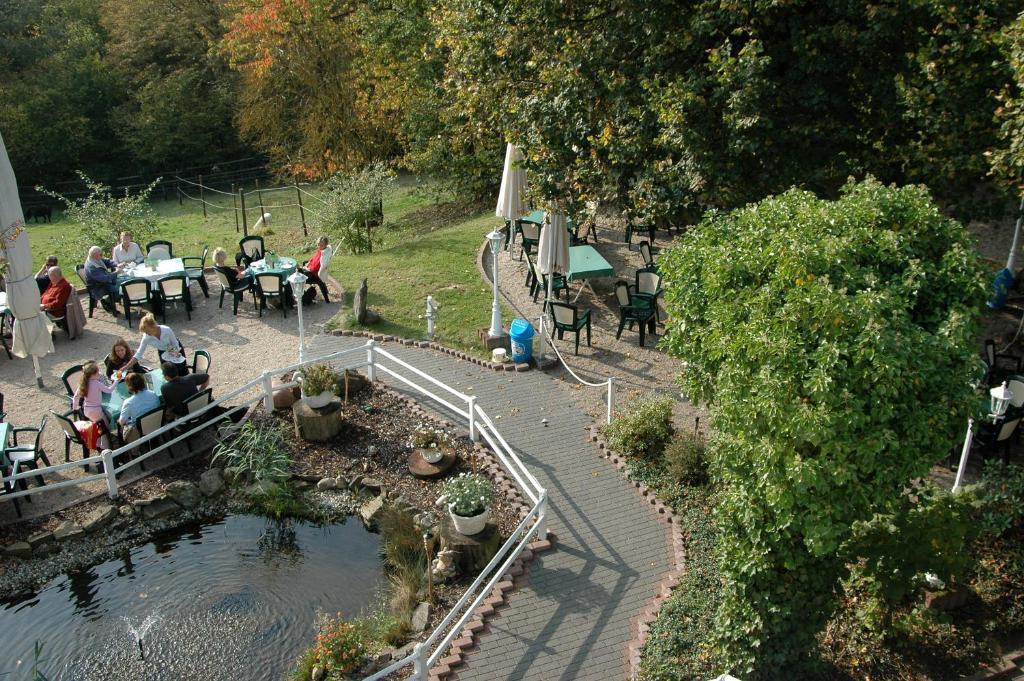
(37, 370)
(543, 315)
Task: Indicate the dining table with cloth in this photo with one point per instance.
(285, 266)
(113, 401)
(152, 274)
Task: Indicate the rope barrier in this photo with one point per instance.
(312, 195)
(203, 186)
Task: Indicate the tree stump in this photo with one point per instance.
(472, 553)
(424, 470)
(317, 425)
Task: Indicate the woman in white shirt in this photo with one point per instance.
(161, 338)
(127, 250)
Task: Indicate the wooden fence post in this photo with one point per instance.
(302, 212)
(177, 188)
(245, 226)
(259, 195)
(202, 198)
(234, 202)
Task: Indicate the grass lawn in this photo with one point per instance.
(427, 247)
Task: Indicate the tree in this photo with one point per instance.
(833, 342)
(1008, 159)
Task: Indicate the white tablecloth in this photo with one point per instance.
(163, 268)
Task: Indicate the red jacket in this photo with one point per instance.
(55, 298)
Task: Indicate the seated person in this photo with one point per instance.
(43, 275)
(127, 251)
(161, 338)
(89, 396)
(101, 279)
(179, 388)
(236, 275)
(55, 299)
(312, 269)
(140, 400)
(119, 358)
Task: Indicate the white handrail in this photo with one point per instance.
(461, 412)
(504, 445)
(421, 374)
(526, 487)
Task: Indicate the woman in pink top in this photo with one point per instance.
(89, 396)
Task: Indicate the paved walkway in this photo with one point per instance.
(572, 619)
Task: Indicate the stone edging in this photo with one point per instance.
(385, 338)
(1006, 667)
(641, 622)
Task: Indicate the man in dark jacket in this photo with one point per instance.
(178, 388)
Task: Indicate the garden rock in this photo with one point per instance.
(19, 549)
(326, 484)
(159, 508)
(211, 482)
(261, 488)
(39, 538)
(126, 511)
(372, 484)
(364, 315)
(420, 618)
(68, 530)
(184, 493)
(234, 475)
(370, 511)
(99, 517)
(318, 674)
(44, 550)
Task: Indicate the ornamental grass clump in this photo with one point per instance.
(468, 494)
(643, 428)
(319, 378)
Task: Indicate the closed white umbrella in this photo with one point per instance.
(31, 328)
(512, 196)
(552, 256)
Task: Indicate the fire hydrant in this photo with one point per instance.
(432, 308)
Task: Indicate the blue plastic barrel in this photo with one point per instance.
(521, 334)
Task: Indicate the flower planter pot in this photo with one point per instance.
(318, 401)
(432, 454)
(470, 525)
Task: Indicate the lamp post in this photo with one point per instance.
(999, 402)
(298, 280)
(497, 240)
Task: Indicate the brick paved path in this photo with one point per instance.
(572, 619)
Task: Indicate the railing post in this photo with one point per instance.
(542, 516)
(420, 662)
(268, 392)
(611, 397)
(108, 469)
(371, 373)
(473, 434)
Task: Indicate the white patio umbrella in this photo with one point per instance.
(512, 196)
(31, 328)
(552, 256)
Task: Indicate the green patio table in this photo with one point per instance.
(285, 266)
(586, 263)
(112, 402)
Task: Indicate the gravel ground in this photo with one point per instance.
(241, 348)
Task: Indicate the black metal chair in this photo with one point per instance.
(159, 245)
(647, 255)
(569, 318)
(997, 374)
(197, 269)
(632, 229)
(28, 455)
(271, 285)
(173, 289)
(530, 232)
(250, 248)
(237, 290)
(3, 414)
(201, 362)
(633, 311)
(135, 292)
(992, 438)
(72, 436)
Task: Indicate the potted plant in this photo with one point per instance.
(432, 444)
(318, 384)
(468, 497)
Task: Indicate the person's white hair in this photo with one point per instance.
(55, 272)
(95, 252)
(219, 254)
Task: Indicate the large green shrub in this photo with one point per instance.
(686, 459)
(833, 342)
(643, 428)
(1001, 497)
(351, 206)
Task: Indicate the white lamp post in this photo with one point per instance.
(1000, 398)
(298, 280)
(497, 240)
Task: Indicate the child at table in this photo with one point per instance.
(140, 401)
(89, 400)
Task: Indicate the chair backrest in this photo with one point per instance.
(42, 427)
(136, 290)
(150, 421)
(71, 377)
(251, 246)
(172, 286)
(269, 283)
(531, 230)
(206, 251)
(223, 278)
(1006, 430)
(564, 313)
(622, 294)
(69, 428)
(201, 362)
(159, 253)
(199, 400)
(647, 281)
(80, 271)
(160, 243)
(325, 258)
(1015, 384)
(645, 253)
(990, 352)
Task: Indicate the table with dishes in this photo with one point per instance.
(159, 269)
(113, 402)
(283, 265)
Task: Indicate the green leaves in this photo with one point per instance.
(833, 344)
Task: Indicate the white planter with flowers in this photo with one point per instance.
(318, 384)
(468, 498)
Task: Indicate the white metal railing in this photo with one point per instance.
(532, 525)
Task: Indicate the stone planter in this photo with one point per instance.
(470, 525)
(432, 454)
(318, 401)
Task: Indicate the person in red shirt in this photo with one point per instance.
(55, 299)
(318, 263)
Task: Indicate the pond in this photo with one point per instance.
(232, 598)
